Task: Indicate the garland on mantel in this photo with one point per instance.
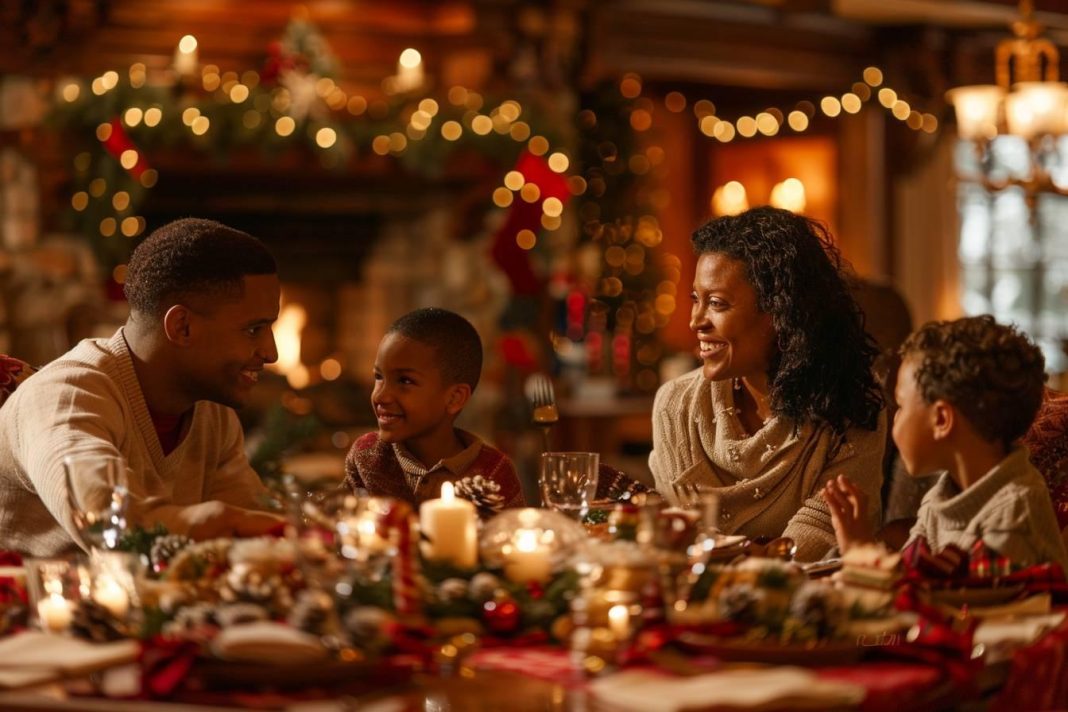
(571, 177)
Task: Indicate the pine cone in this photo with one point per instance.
(240, 613)
(94, 622)
(484, 586)
(199, 560)
(452, 589)
(367, 626)
(313, 613)
(245, 583)
(483, 493)
(191, 619)
(165, 548)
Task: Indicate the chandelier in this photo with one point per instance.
(1012, 170)
(1028, 100)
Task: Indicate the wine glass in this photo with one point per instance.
(569, 481)
(98, 495)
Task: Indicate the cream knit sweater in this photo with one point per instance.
(769, 483)
(89, 402)
(1008, 508)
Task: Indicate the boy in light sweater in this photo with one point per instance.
(967, 390)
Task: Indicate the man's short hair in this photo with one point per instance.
(192, 256)
(990, 372)
(453, 338)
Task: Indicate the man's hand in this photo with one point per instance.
(849, 513)
(210, 520)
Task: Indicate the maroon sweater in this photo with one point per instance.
(490, 481)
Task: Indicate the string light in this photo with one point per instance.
(772, 120)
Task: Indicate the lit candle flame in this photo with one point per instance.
(448, 492)
(527, 540)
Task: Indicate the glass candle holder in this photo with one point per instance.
(55, 590)
(529, 544)
(114, 578)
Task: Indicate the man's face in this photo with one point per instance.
(232, 341)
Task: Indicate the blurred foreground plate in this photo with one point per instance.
(831, 652)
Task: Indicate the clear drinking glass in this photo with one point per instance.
(569, 481)
(98, 495)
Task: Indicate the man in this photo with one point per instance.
(159, 393)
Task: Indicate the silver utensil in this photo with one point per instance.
(543, 402)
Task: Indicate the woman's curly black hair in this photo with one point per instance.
(991, 372)
(822, 369)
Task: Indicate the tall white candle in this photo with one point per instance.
(528, 560)
(55, 613)
(450, 524)
(109, 594)
(186, 56)
(409, 71)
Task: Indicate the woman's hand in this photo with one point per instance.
(849, 513)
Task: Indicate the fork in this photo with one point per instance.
(543, 401)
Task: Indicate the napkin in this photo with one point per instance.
(1003, 636)
(32, 657)
(772, 688)
(267, 642)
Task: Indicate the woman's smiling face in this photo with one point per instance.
(735, 339)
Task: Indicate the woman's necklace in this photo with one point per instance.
(756, 439)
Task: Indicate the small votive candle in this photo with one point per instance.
(528, 560)
(109, 594)
(619, 622)
(54, 612)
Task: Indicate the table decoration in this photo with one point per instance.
(14, 598)
(450, 527)
(55, 587)
(529, 544)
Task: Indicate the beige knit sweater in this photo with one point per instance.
(1008, 508)
(89, 402)
(769, 483)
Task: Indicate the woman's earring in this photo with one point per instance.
(737, 384)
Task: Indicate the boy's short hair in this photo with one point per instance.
(990, 372)
(455, 340)
(192, 256)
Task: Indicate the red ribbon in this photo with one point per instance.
(512, 258)
(118, 142)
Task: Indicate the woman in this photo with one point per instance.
(785, 398)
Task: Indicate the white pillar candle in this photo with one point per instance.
(527, 560)
(186, 56)
(409, 71)
(109, 594)
(55, 613)
(619, 621)
(450, 524)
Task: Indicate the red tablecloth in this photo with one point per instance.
(891, 686)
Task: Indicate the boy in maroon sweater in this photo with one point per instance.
(427, 366)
